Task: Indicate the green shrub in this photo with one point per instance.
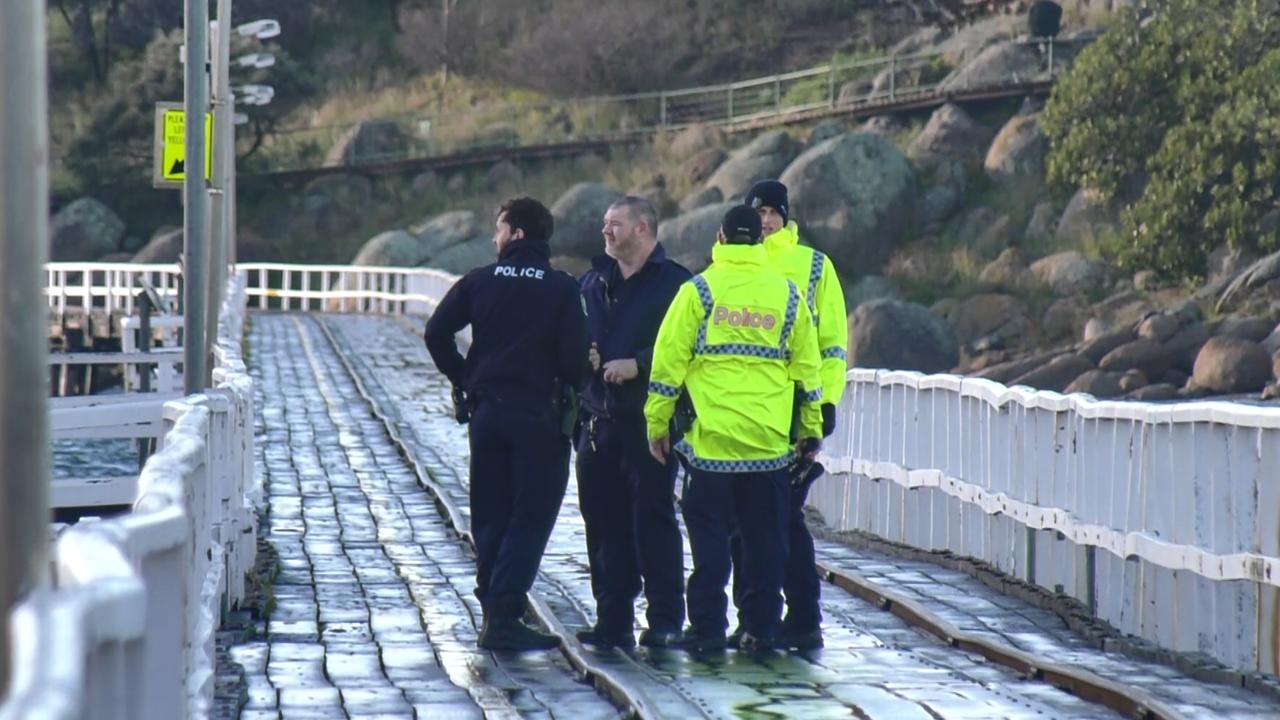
(1174, 117)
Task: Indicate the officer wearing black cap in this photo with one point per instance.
(529, 347)
(627, 497)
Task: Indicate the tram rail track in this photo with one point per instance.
(628, 699)
(634, 701)
(1127, 700)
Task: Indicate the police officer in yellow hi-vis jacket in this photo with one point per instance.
(740, 340)
(815, 277)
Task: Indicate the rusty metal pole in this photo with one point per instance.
(24, 342)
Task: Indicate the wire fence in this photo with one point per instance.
(838, 87)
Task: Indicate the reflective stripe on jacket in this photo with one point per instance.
(815, 276)
(740, 339)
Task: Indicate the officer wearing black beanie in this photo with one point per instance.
(813, 274)
(769, 193)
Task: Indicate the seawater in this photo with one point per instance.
(94, 458)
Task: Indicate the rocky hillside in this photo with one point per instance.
(955, 252)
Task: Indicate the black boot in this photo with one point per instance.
(604, 638)
(508, 633)
(695, 642)
(800, 639)
(752, 644)
(660, 638)
(735, 637)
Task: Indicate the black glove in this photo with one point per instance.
(828, 419)
(806, 470)
(804, 475)
(808, 449)
(461, 409)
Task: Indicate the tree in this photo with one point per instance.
(92, 42)
(1154, 115)
(1213, 181)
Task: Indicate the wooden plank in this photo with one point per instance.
(155, 357)
(63, 403)
(93, 492)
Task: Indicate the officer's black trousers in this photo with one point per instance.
(519, 470)
(629, 507)
(801, 587)
(757, 504)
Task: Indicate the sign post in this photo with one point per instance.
(195, 198)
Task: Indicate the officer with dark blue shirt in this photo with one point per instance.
(528, 348)
(628, 497)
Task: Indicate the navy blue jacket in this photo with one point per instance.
(623, 317)
(527, 329)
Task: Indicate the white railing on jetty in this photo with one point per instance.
(1163, 519)
(129, 416)
(127, 631)
(109, 287)
(344, 288)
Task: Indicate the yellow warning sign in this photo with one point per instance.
(171, 150)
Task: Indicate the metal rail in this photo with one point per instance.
(627, 697)
(632, 700)
(891, 83)
(1124, 699)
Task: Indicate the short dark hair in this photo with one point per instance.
(639, 209)
(525, 213)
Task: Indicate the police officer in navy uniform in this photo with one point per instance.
(627, 496)
(529, 344)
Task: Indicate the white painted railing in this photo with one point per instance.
(167, 357)
(1164, 519)
(109, 287)
(1183, 500)
(128, 416)
(166, 364)
(344, 288)
(128, 631)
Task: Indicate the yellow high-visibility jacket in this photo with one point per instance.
(740, 339)
(815, 276)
